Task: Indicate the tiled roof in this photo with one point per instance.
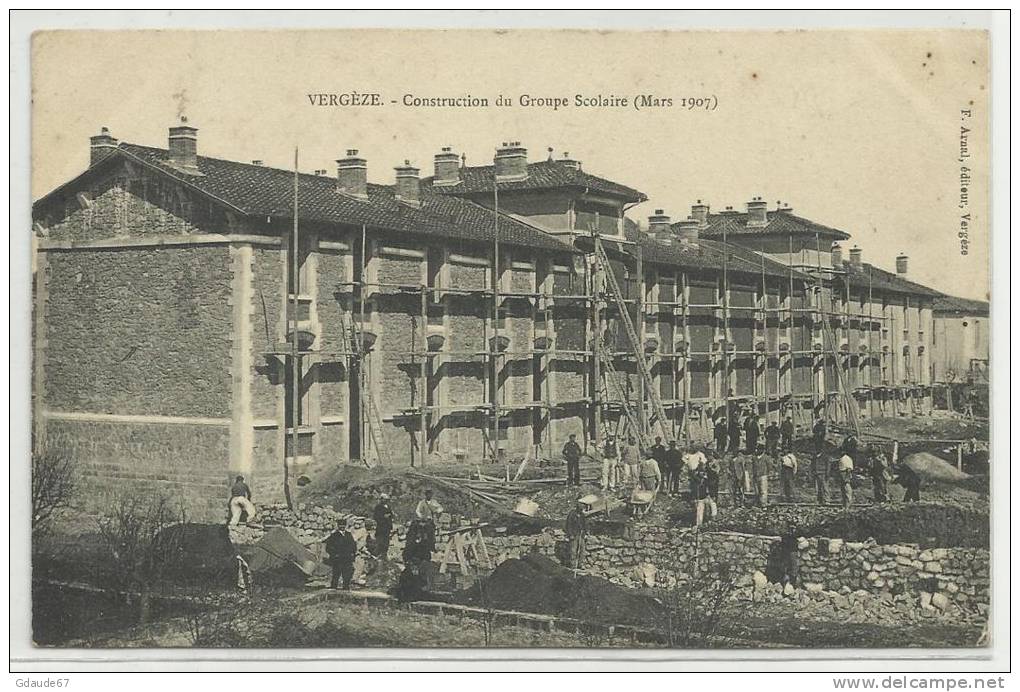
(706, 254)
(541, 175)
(263, 191)
(781, 223)
(877, 279)
(952, 304)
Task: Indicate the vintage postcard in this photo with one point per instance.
(567, 339)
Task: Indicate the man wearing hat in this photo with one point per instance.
(341, 548)
(383, 516)
(576, 527)
(610, 456)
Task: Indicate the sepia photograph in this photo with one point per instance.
(511, 339)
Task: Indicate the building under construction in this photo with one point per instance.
(197, 318)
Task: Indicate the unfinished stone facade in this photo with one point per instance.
(168, 308)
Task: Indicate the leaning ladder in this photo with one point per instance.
(610, 374)
(658, 409)
(844, 387)
(352, 345)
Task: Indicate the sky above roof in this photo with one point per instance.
(856, 130)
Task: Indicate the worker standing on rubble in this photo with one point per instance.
(818, 432)
(820, 474)
(712, 479)
(648, 474)
(787, 470)
(772, 439)
(576, 527)
(910, 481)
(609, 459)
(734, 431)
(879, 475)
(720, 434)
(674, 464)
(630, 461)
(572, 453)
(752, 431)
(383, 516)
(786, 431)
(760, 471)
(240, 501)
(428, 509)
(341, 548)
(738, 478)
(846, 474)
(658, 452)
(699, 493)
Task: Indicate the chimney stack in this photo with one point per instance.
(837, 256)
(447, 167)
(511, 162)
(569, 162)
(407, 184)
(101, 146)
(658, 223)
(756, 212)
(184, 145)
(855, 257)
(688, 229)
(901, 264)
(699, 212)
(352, 175)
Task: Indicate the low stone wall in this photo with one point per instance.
(653, 555)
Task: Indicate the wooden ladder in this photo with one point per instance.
(658, 410)
(370, 412)
(844, 387)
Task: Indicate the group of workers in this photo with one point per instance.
(662, 468)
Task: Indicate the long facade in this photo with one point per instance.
(171, 303)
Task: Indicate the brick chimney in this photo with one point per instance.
(184, 145)
(688, 229)
(569, 162)
(101, 146)
(901, 264)
(407, 184)
(756, 212)
(447, 167)
(511, 162)
(855, 257)
(837, 256)
(699, 212)
(658, 223)
(352, 175)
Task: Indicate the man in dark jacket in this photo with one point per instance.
(752, 431)
(572, 453)
(383, 516)
(734, 431)
(720, 434)
(240, 502)
(820, 474)
(341, 548)
(658, 452)
(772, 439)
(738, 479)
(818, 432)
(786, 431)
(910, 481)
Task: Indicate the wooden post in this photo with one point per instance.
(423, 398)
(640, 328)
(959, 457)
(595, 334)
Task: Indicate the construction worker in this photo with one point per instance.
(712, 479)
(700, 493)
(630, 461)
(786, 431)
(734, 432)
(879, 470)
(910, 481)
(752, 431)
(850, 446)
(341, 548)
(760, 471)
(648, 474)
(428, 508)
(772, 439)
(383, 516)
(610, 456)
(738, 478)
(576, 528)
(818, 432)
(787, 470)
(240, 501)
(820, 473)
(658, 452)
(846, 473)
(720, 434)
(572, 453)
(674, 465)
